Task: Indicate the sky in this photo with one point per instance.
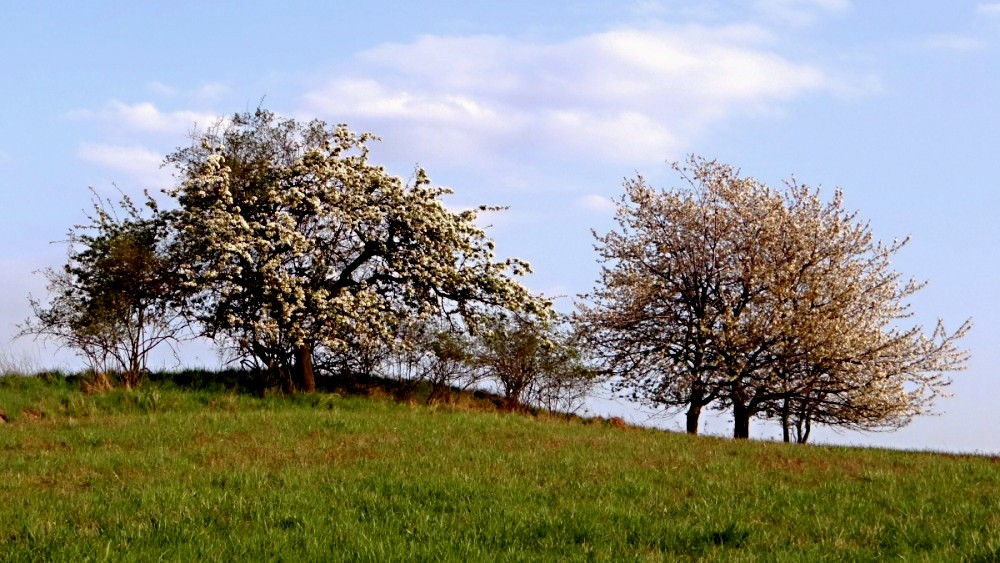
(544, 107)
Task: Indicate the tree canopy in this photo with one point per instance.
(730, 294)
(116, 298)
(534, 361)
(289, 240)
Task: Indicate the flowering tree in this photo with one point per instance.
(734, 295)
(289, 240)
(115, 300)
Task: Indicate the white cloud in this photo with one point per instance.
(4, 158)
(679, 10)
(991, 9)
(369, 98)
(801, 12)
(649, 8)
(162, 89)
(945, 42)
(211, 91)
(119, 157)
(144, 117)
(626, 95)
(594, 202)
(138, 162)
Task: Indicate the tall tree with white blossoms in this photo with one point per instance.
(289, 240)
(729, 294)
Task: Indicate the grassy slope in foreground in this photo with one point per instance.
(187, 475)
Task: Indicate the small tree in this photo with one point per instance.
(733, 295)
(438, 352)
(363, 358)
(115, 300)
(290, 241)
(534, 362)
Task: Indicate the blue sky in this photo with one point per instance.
(545, 107)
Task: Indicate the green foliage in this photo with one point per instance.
(221, 475)
(116, 298)
(435, 352)
(535, 361)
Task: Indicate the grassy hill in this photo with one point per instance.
(175, 473)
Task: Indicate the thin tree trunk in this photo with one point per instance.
(804, 433)
(304, 377)
(785, 431)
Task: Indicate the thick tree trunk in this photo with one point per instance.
(693, 413)
(741, 421)
(697, 401)
(303, 374)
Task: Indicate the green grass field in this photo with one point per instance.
(169, 473)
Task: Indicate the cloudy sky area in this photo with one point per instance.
(544, 107)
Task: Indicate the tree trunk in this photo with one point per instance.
(697, 400)
(694, 412)
(741, 421)
(785, 430)
(804, 428)
(304, 377)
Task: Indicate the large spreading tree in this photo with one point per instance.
(733, 295)
(289, 241)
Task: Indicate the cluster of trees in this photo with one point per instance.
(524, 360)
(731, 295)
(295, 254)
(285, 246)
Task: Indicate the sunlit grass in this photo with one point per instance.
(179, 474)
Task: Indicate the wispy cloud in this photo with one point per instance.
(210, 91)
(648, 8)
(595, 202)
(138, 162)
(145, 117)
(161, 89)
(648, 11)
(991, 9)
(801, 12)
(627, 95)
(954, 42)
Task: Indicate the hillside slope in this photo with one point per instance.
(177, 474)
